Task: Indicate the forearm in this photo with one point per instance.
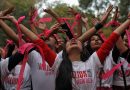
(33, 29)
(122, 27)
(79, 29)
(87, 34)
(115, 16)
(10, 33)
(53, 14)
(86, 26)
(28, 33)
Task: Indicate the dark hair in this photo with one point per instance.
(10, 49)
(89, 48)
(64, 75)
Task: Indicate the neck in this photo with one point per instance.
(75, 56)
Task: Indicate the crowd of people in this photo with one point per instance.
(78, 61)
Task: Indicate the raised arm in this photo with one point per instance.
(52, 13)
(103, 52)
(85, 22)
(93, 30)
(32, 16)
(115, 14)
(36, 40)
(9, 31)
(78, 20)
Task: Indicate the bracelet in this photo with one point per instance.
(98, 26)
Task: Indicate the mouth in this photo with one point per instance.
(96, 43)
(73, 41)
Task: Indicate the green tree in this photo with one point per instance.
(21, 8)
(124, 8)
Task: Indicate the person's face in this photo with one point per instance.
(125, 40)
(51, 42)
(73, 45)
(95, 42)
(41, 26)
(60, 42)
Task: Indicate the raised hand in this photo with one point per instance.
(56, 28)
(106, 14)
(31, 11)
(115, 14)
(72, 11)
(52, 13)
(49, 11)
(95, 21)
(84, 20)
(116, 9)
(8, 11)
(9, 17)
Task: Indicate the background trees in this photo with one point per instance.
(89, 7)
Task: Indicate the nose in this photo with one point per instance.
(96, 40)
(73, 39)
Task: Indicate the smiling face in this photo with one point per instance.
(73, 45)
(95, 42)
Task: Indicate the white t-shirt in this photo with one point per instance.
(42, 79)
(84, 73)
(118, 77)
(4, 68)
(107, 65)
(10, 78)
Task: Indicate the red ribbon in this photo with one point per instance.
(18, 29)
(102, 35)
(47, 19)
(24, 49)
(110, 73)
(113, 22)
(32, 19)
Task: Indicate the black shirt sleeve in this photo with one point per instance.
(68, 32)
(14, 60)
(115, 54)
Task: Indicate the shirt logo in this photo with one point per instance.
(82, 77)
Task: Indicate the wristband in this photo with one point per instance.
(98, 26)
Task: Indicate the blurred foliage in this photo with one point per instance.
(124, 8)
(98, 6)
(21, 8)
(89, 7)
